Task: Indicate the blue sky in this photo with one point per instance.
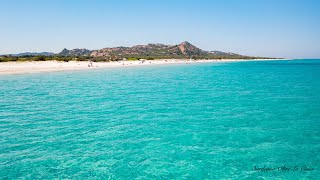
(276, 28)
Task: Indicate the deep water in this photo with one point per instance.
(193, 121)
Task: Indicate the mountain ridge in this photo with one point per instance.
(184, 50)
(31, 54)
(151, 51)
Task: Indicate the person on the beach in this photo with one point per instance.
(90, 64)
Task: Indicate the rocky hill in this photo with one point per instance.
(151, 51)
(75, 52)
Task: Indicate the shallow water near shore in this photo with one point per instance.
(209, 120)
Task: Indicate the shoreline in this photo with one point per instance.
(27, 67)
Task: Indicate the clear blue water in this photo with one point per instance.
(199, 121)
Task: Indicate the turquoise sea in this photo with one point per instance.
(233, 120)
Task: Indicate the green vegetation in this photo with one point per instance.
(43, 58)
(114, 58)
(132, 59)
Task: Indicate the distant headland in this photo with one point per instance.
(184, 50)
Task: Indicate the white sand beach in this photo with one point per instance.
(49, 66)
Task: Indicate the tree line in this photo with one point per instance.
(8, 58)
